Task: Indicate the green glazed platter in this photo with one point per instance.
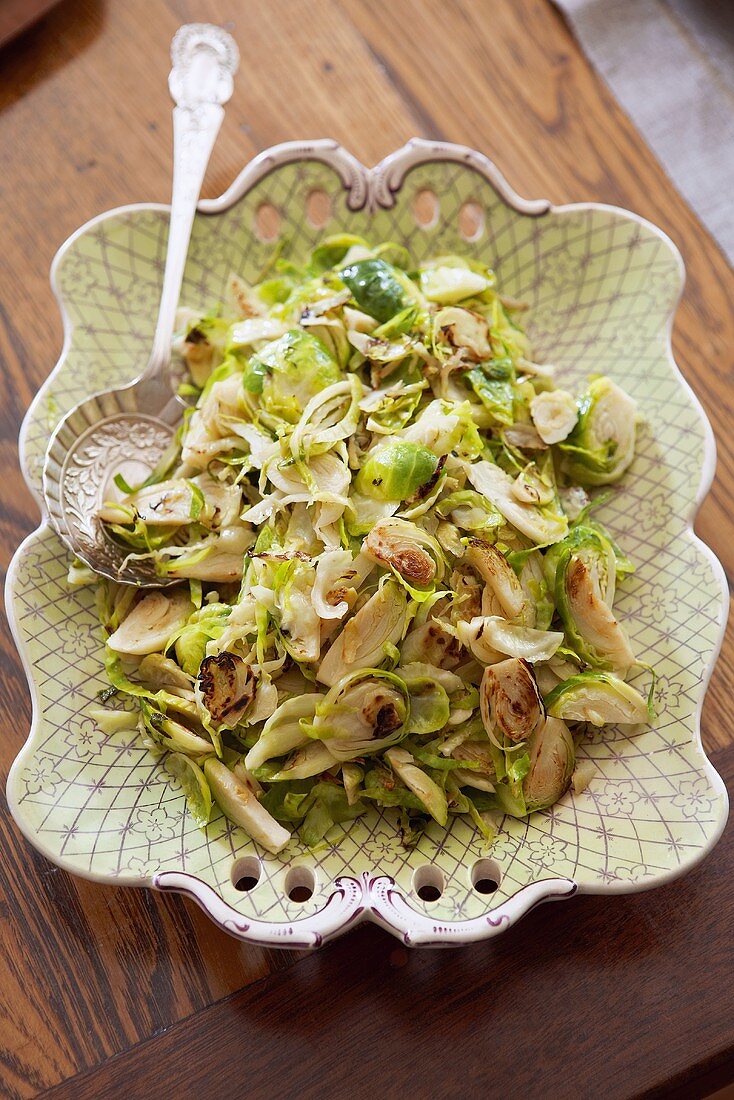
(602, 287)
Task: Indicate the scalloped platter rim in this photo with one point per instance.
(603, 285)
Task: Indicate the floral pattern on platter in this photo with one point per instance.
(601, 286)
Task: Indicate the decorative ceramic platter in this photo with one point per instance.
(602, 286)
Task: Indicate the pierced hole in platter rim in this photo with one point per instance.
(318, 208)
(428, 882)
(266, 223)
(486, 876)
(426, 208)
(471, 220)
(245, 873)
(300, 883)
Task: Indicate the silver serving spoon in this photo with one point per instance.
(128, 430)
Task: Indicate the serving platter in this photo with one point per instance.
(602, 286)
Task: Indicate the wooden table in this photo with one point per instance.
(106, 992)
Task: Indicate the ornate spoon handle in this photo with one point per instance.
(205, 59)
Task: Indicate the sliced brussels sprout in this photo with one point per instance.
(336, 584)
(465, 330)
(448, 285)
(113, 721)
(429, 704)
(478, 753)
(246, 301)
(510, 799)
(433, 644)
(591, 544)
(449, 681)
(554, 414)
(357, 321)
(602, 445)
(334, 249)
(546, 677)
(598, 698)
(207, 433)
(151, 622)
(509, 699)
(382, 353)
(304, 763)
(300, 624)
(352, 776)
(166, 504)
(333, 334)
(364, 512)
(524, 437)
(266, 700)
(529, 487)
(199, 354)
(377, 287)
(470, 511)
(543, 525)
(239, 803)
(562, 668)
(472, 728)
(327, 804)
(173, 735)
(446, 426)
(520, 641)
(367, 636)
(203, 626)
(391, 407)
(585, 610)
(157, 671)
(283, 731)
(448, 537)
(536, 589)
(494, 385)
(396, 471)
(421, 784)
(286, 374)
(552, 760)
(80, 575)
(391, 543)
(380, 786)
(583, 774)
(182, 702)
(255, 330)
(466, 778)
(219, 559)
(574, 500)
(325, 478)
(179, 738)
(583, 572)
(194, 785)
(362, 714)
(501, 579)
(330, 416)
(469, 594)
(225, 688)
(471, 633)
(414, 556)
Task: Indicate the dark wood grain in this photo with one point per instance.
(89, 972)
(594, 997)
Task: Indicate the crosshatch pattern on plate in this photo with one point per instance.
(600, 288)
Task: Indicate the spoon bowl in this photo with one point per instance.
(106, 435)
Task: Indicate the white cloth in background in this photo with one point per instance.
(670, 63)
